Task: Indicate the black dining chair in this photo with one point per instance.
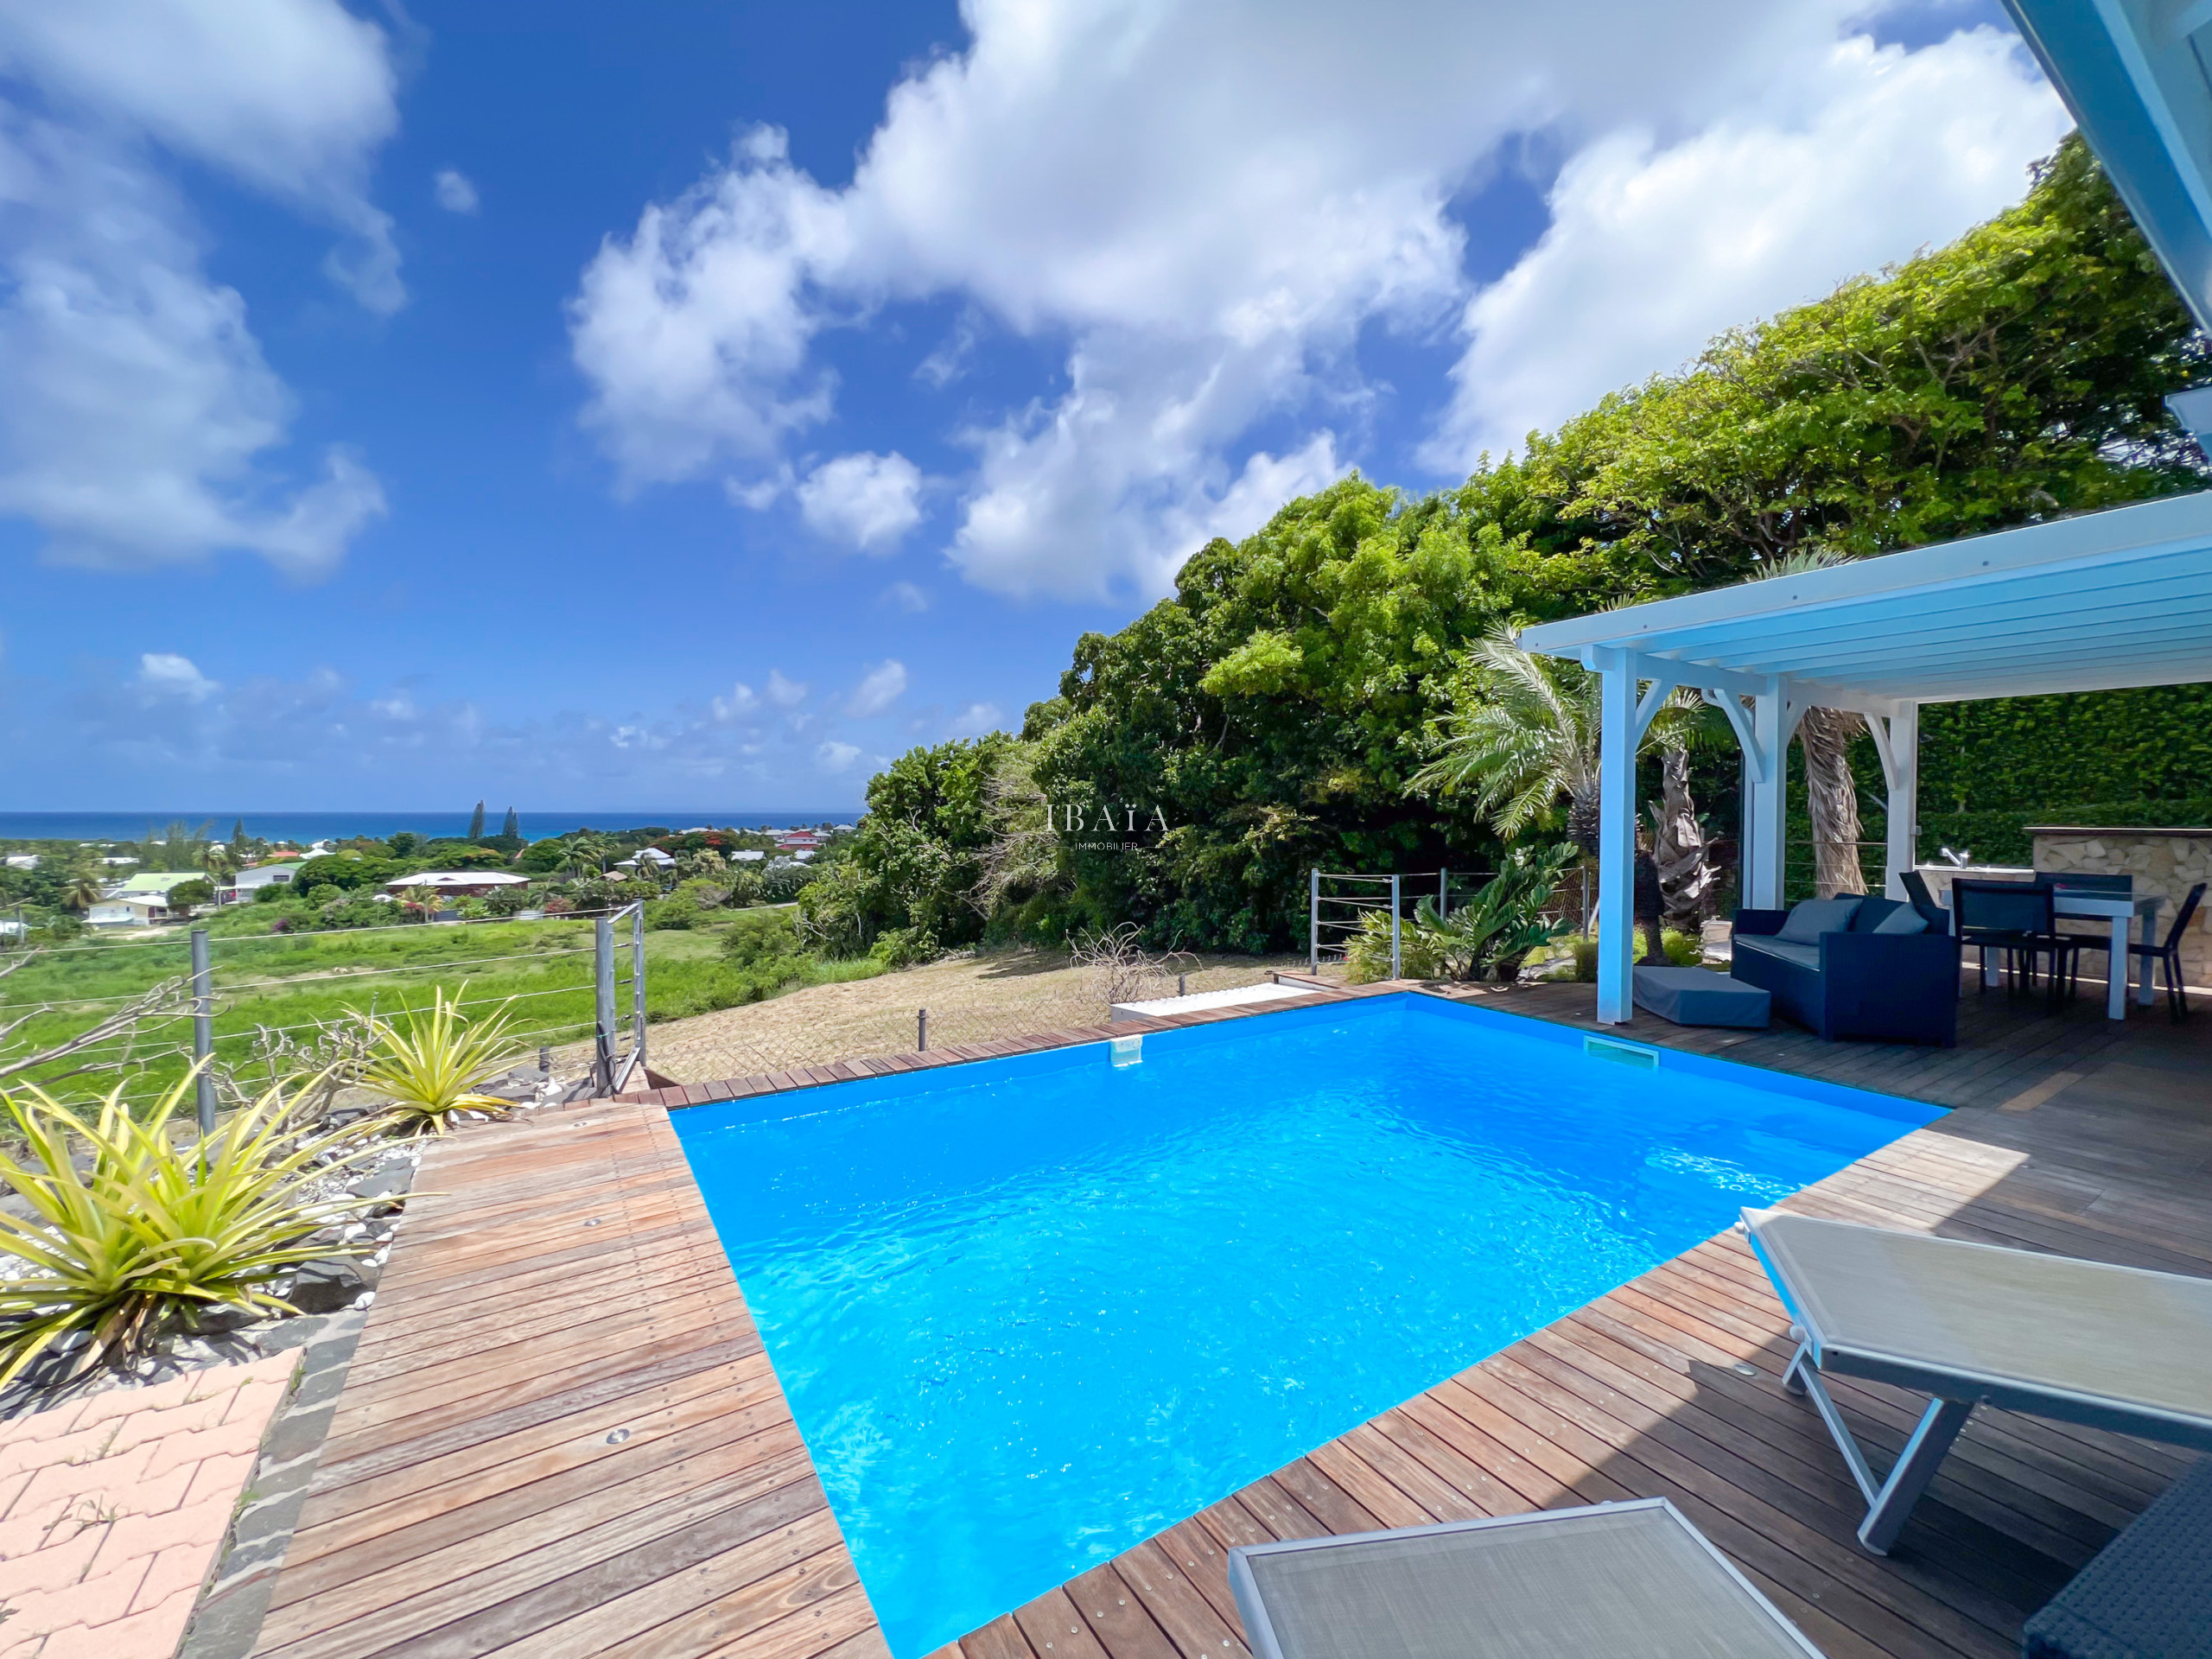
(2062, 881)
(2018, 919)
(2168, 955)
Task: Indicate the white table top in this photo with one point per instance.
(2069, 902)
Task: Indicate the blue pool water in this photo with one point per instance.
(1029, 1312)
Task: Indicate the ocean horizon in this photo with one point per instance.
(306, 826)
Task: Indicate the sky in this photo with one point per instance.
(693, 405)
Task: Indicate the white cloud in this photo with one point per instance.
(977, 718)
(166, 675)
(879, 688)
(866, 500)
(290, 97)
(785, 694)
(1654, 249)
(454, 190)
(833, 757)
(1208, 243)
(742, 701)
(139, 407)
(142, 421)
(906, 596)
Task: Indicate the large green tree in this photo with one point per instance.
(1270, 714)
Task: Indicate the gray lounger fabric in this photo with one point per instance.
(2117, 1348)
(2127, 1335)
(1613, 1580)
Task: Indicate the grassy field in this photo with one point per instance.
(971, 998)
(540, 972)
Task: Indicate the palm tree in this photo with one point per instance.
(586, 856)
(80, 888)
(1528, 738)
(1831, 790)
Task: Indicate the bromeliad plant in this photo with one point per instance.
(153, 1234)
(436, 1062)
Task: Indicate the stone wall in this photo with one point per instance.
(2167, 863)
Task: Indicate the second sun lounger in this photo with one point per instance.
(1630, 1578)
(2123, 1349)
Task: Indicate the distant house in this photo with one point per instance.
(651, 855)
(247, 885)
(748, 855)
(459, 884)
(142, 900)
(22, 861)
(114, 863)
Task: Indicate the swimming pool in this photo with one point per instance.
(1029, 1312)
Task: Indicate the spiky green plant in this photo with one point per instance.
(154, 1233)
(433, 1064)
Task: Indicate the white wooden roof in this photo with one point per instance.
(2093, 603)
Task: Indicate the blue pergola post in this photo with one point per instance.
(1619, 731)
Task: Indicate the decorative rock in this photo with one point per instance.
(326, 1286)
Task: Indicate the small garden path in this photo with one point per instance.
(112, 1507)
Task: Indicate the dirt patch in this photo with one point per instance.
(970, 999)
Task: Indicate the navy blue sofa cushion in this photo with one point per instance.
(2147, 1595)
(1810, 918)
(1890, 986)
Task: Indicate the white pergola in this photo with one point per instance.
(2097, 602)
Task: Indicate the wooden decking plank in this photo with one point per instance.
(1117, 1616)
(1053, 1628)
(1178, 1607)
(722, 1599)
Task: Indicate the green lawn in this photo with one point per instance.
(541, 972)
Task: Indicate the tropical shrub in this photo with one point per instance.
(432, 1062)
(151, 1235)
(902, 947)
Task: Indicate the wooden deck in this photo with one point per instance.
(561, 1437)
(2072, 1134)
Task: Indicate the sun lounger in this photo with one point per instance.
(2081, 1342)
(1562, 1583)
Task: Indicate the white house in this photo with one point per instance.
(247, 885)
(22, 861)
(142, 900)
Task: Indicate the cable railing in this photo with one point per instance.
(236, 1017)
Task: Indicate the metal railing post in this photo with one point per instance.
(922, 1031)
(203, 1031)
(602, 1070)
(637, 989)
(1393, 927)
(1443, 894)
(1313, 927)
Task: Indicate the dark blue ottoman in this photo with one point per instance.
(2148, 1595)
(1694, 996)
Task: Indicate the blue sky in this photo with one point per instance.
(689, 405)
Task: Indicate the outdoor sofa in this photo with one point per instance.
(1854, 966)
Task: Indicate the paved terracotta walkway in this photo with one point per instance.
(112, 1507)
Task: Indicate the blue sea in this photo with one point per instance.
(305, 827)
(1029, 1312)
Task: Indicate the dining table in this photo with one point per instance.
(2121, 912)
